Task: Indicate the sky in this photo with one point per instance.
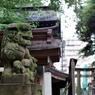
(68, 24)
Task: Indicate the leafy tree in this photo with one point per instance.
(10, 15)
(86, 27)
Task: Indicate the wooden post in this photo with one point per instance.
(73, 76)
(71, 90)
(78, 83)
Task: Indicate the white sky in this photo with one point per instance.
(68, 24)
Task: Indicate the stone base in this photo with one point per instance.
(19, 78)
(20, 89)
(18, 85)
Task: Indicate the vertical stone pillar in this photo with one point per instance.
(47, 83)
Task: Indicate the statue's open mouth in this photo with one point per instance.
(26, 37)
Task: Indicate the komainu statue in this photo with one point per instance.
(14, 53)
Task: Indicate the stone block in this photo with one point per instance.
(19, 78)
(36, 89)
(20, 89)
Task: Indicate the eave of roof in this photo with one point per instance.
(56, 72)
(59, 78)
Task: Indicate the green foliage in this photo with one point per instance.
(8, 4)
(35, 3)
(86, 23)
(86, 53)
(9, 13)
(55, 4)
(12, 18)
(86, 26)
(34, 24)
(3, 26)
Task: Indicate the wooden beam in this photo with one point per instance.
(84, 69)
(93, 75)
(45, 52)
(58, 78)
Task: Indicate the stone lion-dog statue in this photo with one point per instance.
(14, 53)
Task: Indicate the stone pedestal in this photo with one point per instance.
(19, 78)
(19, 89)
(17, 85)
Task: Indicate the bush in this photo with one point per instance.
(3, 26)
